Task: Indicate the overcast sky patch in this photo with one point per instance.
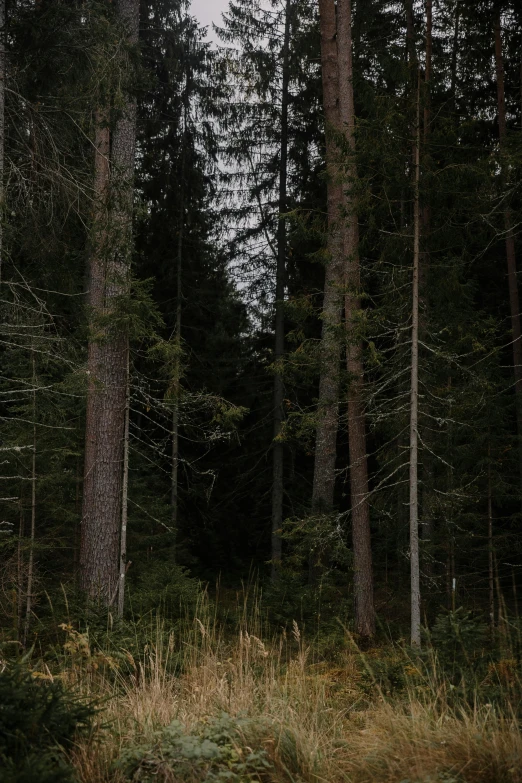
(208, 12)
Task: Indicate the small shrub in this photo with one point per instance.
(38, 721)
(459, 638)
(390, 673)
(212, 753)
(166, 587)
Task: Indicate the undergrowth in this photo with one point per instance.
(201, 704)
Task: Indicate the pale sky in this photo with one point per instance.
(208, 11)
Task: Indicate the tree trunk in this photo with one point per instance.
(361, 535)
(424, 259)
(176, 381)
(328, 405)
(124, 500)
(107, 360)
(20, 570)
(425, 209)
(414, 401)
(95, 301)
(514, 300)
(277, 448)
(30, 568)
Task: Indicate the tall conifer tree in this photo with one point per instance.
(360, 508)
(108, 365)
(329, 385)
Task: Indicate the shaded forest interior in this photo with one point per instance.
(260, 392)
(260, 318)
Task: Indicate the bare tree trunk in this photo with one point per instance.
(424, 259)
(414, 402)
(20, 576)
(95, 302)
(428, 69)
(328, 406)
(514, 300)
(425, 209)
(176, 381)
(360, 507)
(30, 568)
(124, 501)
(279, 391)
(107, 361)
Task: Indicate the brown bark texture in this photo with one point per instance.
(125, 500)
(108, 344)
(176, 380)
(359, 491)
(414, 400)
(328, 405)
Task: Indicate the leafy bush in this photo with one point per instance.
(38, 721)
(213, 753)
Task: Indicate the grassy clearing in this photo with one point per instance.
(201, 707)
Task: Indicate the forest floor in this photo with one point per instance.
(202, 705)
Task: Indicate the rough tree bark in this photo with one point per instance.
(328, 406)
(361, 535)
(176, 380)
(107, 359)
(414, 400)
(514, 299)
(124, 499)
(277, 447)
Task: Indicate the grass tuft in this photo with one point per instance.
(249, 708)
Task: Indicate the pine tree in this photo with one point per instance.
(360, 509)
(329, 387)
(107, 366)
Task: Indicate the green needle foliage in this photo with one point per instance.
(39, 722)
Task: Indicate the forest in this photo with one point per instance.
(260, 392)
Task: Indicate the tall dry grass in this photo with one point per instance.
(314, 721)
